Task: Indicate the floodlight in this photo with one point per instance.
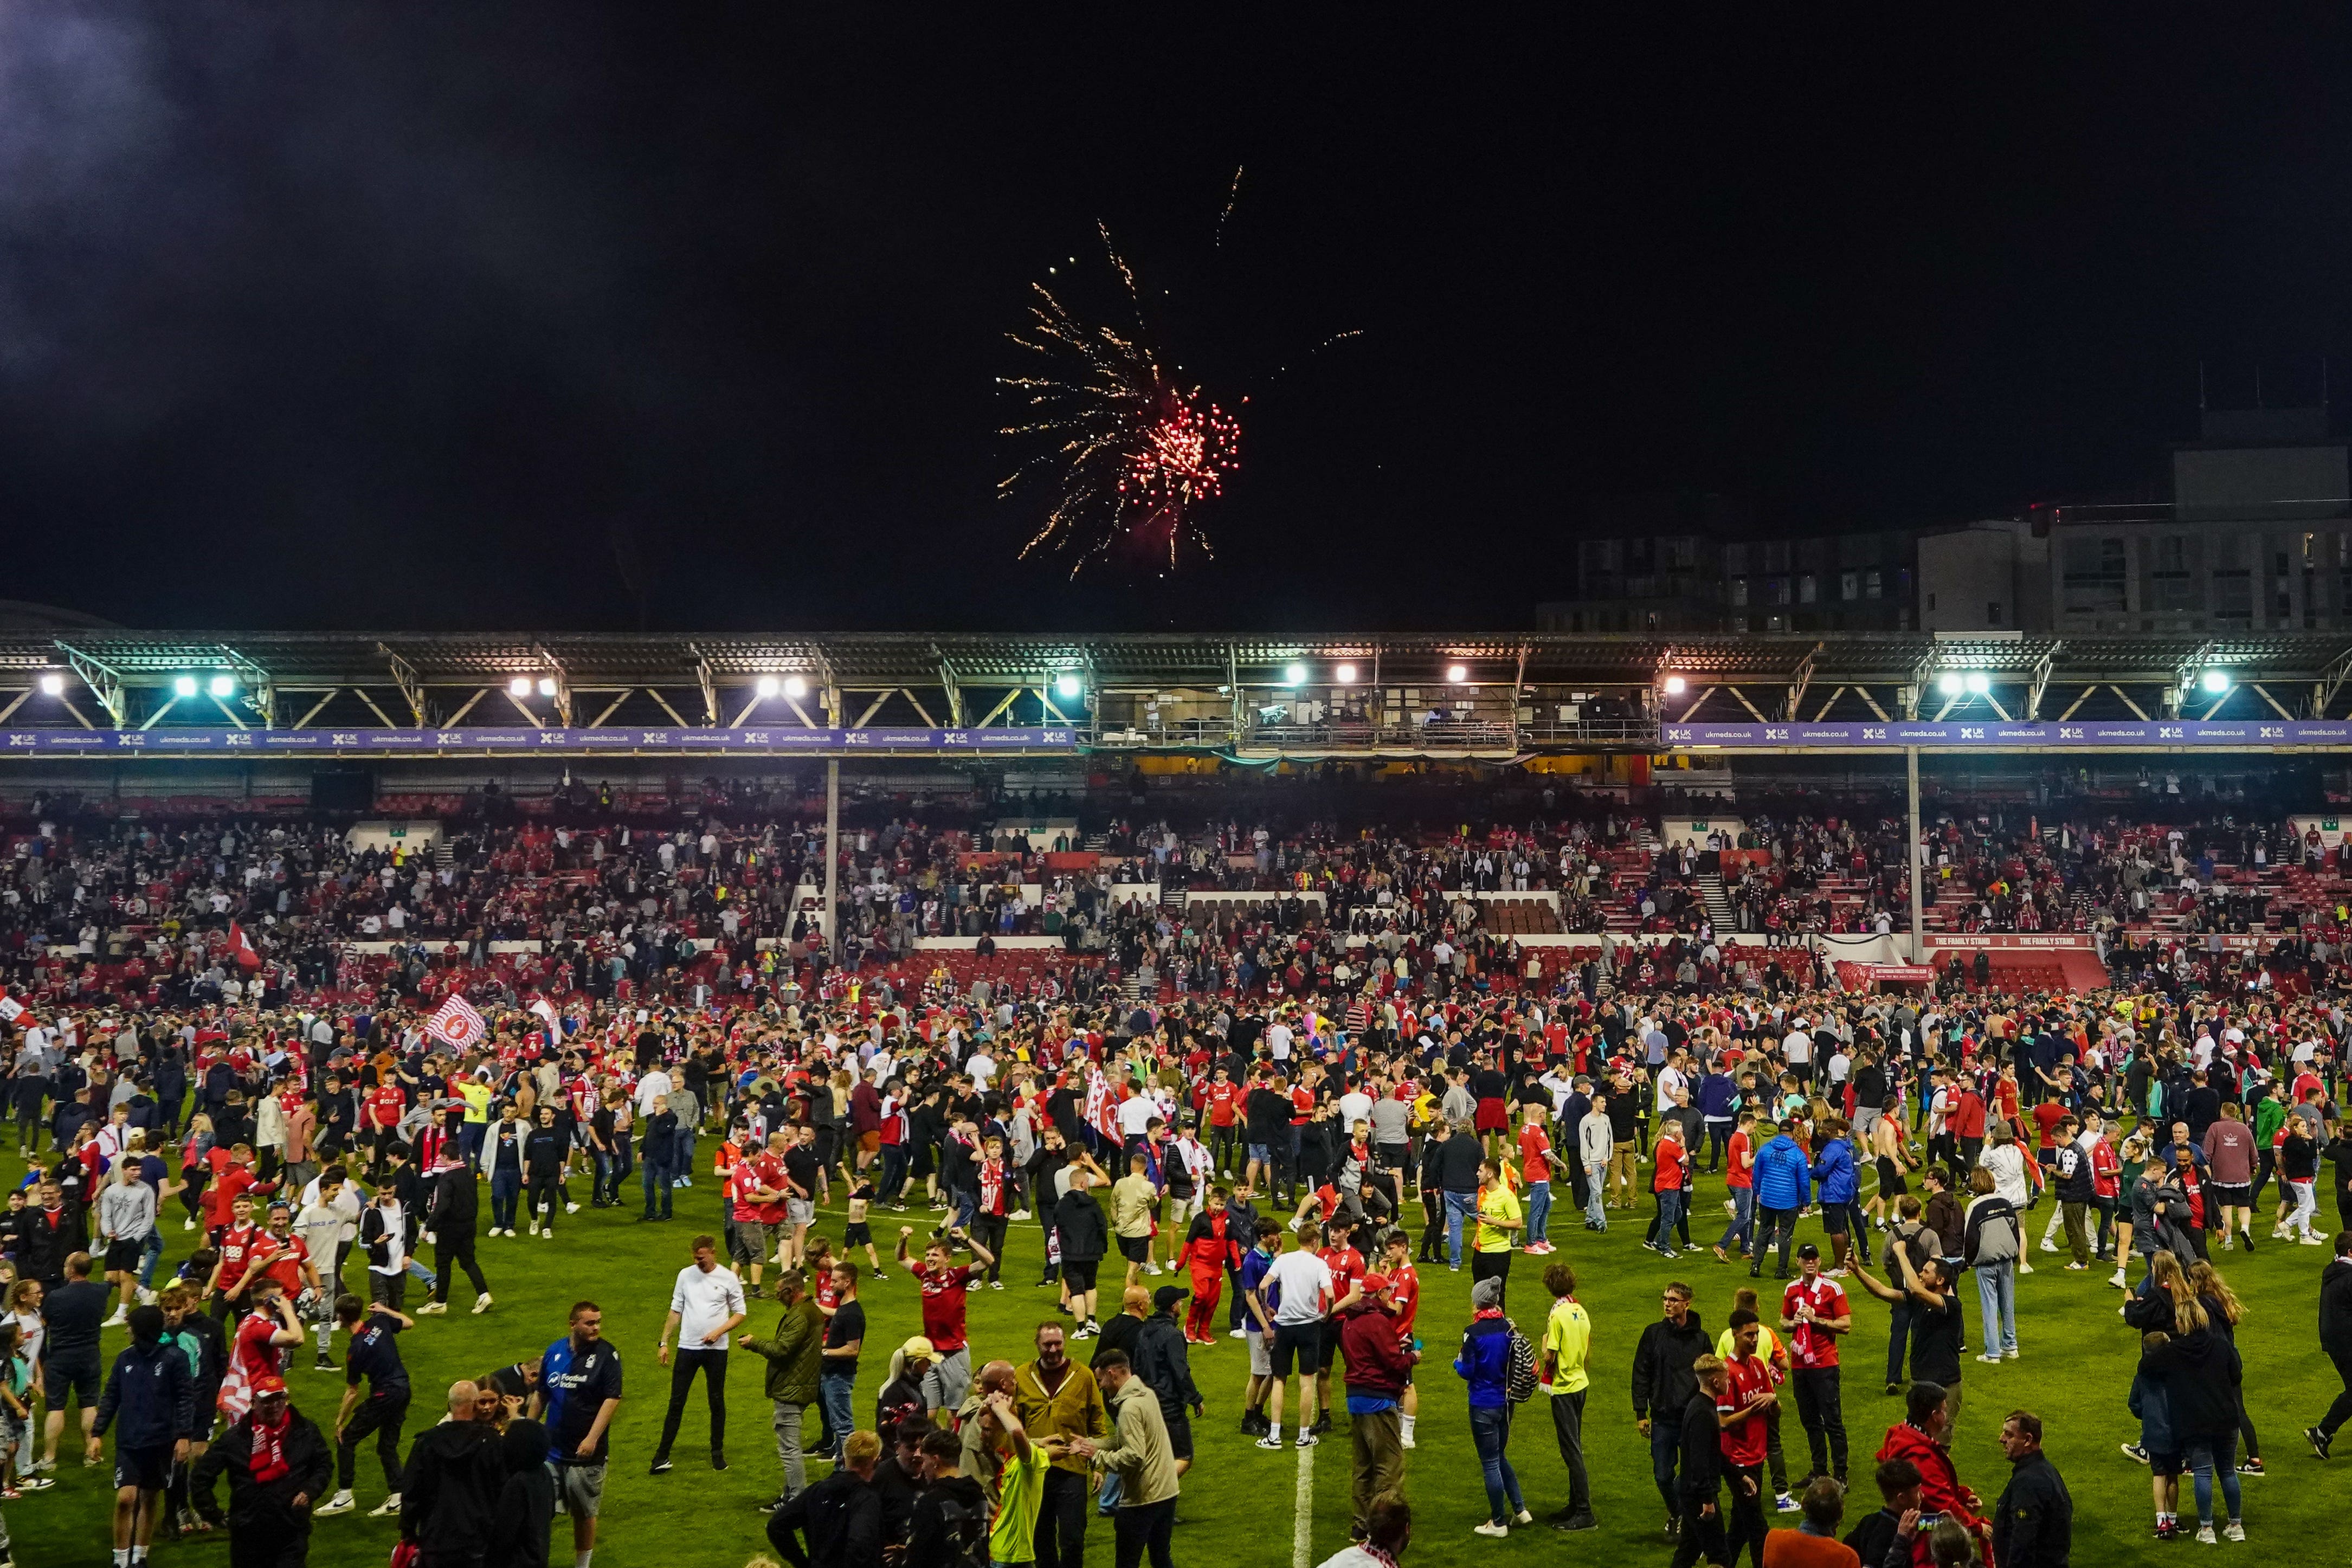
(184, 687)
(1977, 685)
(1294, 673)
(769, 686)
(1068, 688)
(2215, 682)
(796, 687)
(223, 687)
(1676, 685)
(1949, 684)
(547, 685)
(53, 684)
(1344, 674)
(519, 687)
(1457, 674)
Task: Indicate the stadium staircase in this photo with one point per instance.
(1718, 902)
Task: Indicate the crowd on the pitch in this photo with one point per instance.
(1270, 1128)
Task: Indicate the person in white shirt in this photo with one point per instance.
(1289, 1305)
(705, 1306)
(653, 1086)
(1277, 1041)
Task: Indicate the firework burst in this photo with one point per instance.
(1133, 452)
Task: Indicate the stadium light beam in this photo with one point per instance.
(796, 687)
(223, 687)
(519, 687)
(547, 685)
(1949, 685)
(769, 686)
(1977, 685)
(2214, 682)
(53, 684)
(184, 686)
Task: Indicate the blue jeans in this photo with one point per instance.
(416, 1266)
(657, 1178)
(1666, 1449)
(1459, 1206)
(150, 1252)
(469, 1140)
(1670, 1214)
(833, 1391)
(1596, 1195)
(1538, 1213)
(1742, 1228)
(2206, 1454)
(682, 1162)
(506, 1189)
(1997, 1296)
(1491, 1431)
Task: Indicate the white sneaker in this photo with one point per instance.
(571, 1209)
(1523, 1517)
(1404, 1443)
(389, 1509)
(341, 1503)
(432, 1309)
(1239, 1334)
(189, 1224)
(2023, 1267)
(2050, 1245)
(2205, 1536)
(534, 1228)
(2233, 1530)
(2314, 1241)
(1153, 1268)
(549, 1234)
(146, 1297)
(481, 1304)
(121, 1316)
(1020, 1214)
(1491, 1528)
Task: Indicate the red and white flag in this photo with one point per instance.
(248, 958)
(546, 1010)
(456, 1022)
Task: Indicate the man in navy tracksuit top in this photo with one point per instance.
(153, 1394)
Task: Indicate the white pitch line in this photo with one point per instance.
(1302, 1528)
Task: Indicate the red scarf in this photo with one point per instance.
(270, 1448)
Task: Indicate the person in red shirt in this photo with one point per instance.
(1666, 1182)
(1739, 1179)
(1404, 1299)
(1223, 1099)
(1209, 1251)
(234, 1243)
(1741, 1410)
(1347, 1266)
(380, 1115)
(750, 1240)
(1536, 1161)
(945, 1285)
(264, 1341)
(1815, 1315)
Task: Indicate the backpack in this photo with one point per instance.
(967, 1532)
(1520, 1380)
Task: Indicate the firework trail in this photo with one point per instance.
(1135, 454)
(1231, 197)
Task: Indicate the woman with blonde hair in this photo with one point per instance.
(2225, 1313)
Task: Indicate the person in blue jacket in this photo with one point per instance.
(150, 1400)
(1485, 1362)
(1783, 1185)
(1833, 1169)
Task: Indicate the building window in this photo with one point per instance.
(1870, 585)
(2094, 577)
(1849, 586)
(1738, 590)
(1806, 589)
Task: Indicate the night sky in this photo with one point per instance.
(585, 316)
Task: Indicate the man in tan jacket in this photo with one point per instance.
(1140, 1454)
(1058, 1397)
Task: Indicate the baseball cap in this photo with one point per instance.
(919, 1349)
(1809, 1250)
(1168, 1296)
(1374, 1284)
(267, 1382)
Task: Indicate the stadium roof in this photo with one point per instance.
(1406, 693)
